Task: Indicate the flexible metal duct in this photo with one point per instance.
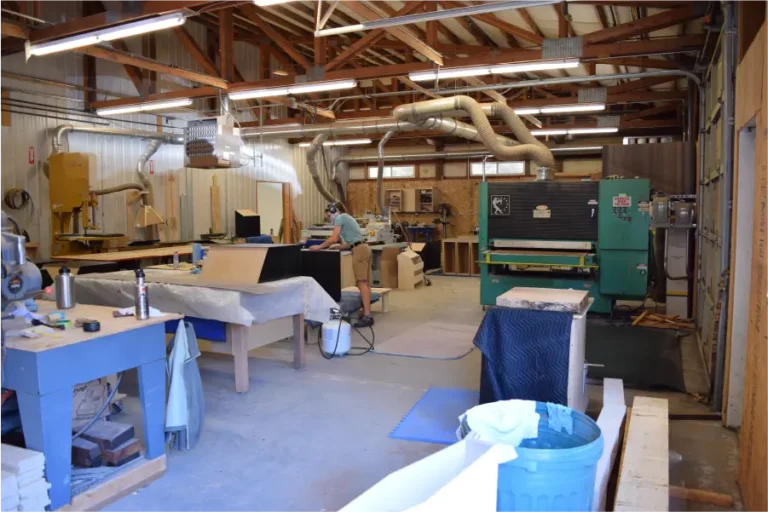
(314, 147)
(118, 188)
(135, 134)
(531, 149)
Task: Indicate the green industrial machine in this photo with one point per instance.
(586, 235)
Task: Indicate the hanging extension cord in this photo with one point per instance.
(365, 350)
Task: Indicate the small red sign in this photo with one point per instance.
(31, 155)
(151, 167)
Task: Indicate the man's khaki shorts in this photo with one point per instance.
(361, 262)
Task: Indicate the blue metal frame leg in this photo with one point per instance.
(152, 394)
(47, 424)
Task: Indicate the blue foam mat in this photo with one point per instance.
(435, 417)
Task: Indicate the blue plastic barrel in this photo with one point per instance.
(555, 471)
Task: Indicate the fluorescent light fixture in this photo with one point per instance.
(107, 34)
(421, 76)
(581, 131)
(577, 148)
(584, 107)
(449, 73)
(549, 132)
(293, 89)
(334, 31)
(265, 3)
(543, 65)
(433, 16)
(143, 107)
(343, 142)
(526, 111)
(575, 131)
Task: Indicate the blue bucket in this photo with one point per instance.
(555, 471)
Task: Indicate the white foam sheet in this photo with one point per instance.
(609, 421)
(266, 301)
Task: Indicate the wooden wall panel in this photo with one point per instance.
(460, 193)
(668, 166)
(753, 463)
(749, 77)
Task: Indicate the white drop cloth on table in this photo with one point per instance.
(263, 302)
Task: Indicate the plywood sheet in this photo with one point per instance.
(749, 82)
(109, 326)
(669, 166)
(753, 473)
(158, 252)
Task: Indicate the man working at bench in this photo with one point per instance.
(347, 234)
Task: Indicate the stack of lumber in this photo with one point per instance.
(23, 486)
(10, 491)
(659, 321)
(106, 443)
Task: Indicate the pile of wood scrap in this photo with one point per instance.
(659, 321)
(23, 483)
(106, 443)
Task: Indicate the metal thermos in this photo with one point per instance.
(65, 289)
(142, 301)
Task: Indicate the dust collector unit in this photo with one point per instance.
(212, 143)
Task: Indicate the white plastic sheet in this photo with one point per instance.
(266, 301)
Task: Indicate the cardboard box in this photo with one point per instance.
(388, 269)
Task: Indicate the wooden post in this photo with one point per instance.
(215, 207)
(237, 335)
(288, 237)
(226, 45)
(6, 115)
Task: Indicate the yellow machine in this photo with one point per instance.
(72, 204)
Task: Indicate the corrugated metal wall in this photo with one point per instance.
(114, 159)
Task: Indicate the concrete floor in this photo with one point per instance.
(317, 438)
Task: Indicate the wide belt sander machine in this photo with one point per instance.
(586, 235)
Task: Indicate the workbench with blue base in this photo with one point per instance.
(230, 320)
(44, 371)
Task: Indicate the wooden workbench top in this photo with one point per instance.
(140, 254)
(109, 326)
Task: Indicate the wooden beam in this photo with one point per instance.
(6, 115)
(564, 28)
(640, 62)
(256, 16)
(501, 56)
(508, 28)
(369, 39)
(627, 97)
(134, 74)
(149, 50)
(633, 85)
(470, 26)
(661, 109)
(191, 46)
(431, 25)
(417, 87)
(647, 24)
(152, 65)
(106, 19)
(644, 473)
(663, 4)
(370, 12)
(528, 19)
(12, 30)
(226, 45)
(320, 43)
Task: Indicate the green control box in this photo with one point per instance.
(623, 237)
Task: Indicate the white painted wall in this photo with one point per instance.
(114, 158)
(742, 279)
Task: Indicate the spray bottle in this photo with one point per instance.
(142, 301)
